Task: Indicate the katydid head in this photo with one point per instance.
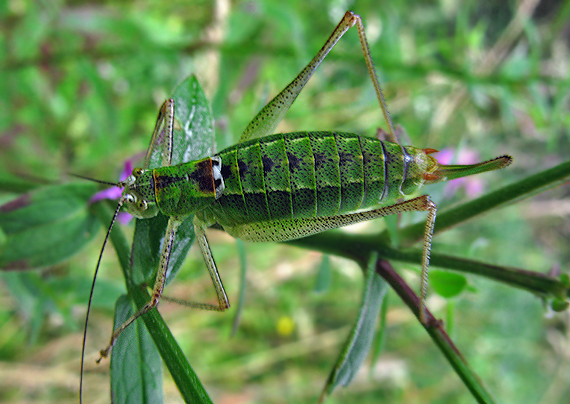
(138, 194)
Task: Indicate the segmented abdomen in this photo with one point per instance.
(307, 174)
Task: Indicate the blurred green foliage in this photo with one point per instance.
(81, 85)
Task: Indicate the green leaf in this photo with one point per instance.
(559, 305)
(33, 304)
(46, 226)
(194, 126)
(9, 183)
(136, 368)
(447, 284)
(324, 275)
(361, 337)
(380, 342)
(148, 239)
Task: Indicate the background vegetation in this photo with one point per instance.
(81, 85)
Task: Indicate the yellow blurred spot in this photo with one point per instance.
(175, 24)
(79, 125)
(17, 7)
(285, 326)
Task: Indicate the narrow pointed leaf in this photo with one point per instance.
(361, 337)
(136, 368)
(46, 226)
(324, 275)
(147, 247)
(194, 123)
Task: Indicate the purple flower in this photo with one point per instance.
(473, 186)
(116, 192)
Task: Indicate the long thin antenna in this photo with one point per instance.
(121, 201)
(113, 184)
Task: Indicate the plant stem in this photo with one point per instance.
(436, 332)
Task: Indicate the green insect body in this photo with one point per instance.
(291, 175)
(311, 174)
(288, 176)
(277, 187)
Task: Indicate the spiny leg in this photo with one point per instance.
(392, 134)
(271, 114)
(223, 301)
(428, 234)
(372, 72)
(290, 229)
(269, 117)
(158, 287)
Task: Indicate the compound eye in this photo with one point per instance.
(142, 205)
(129, 198)
(137, 172)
